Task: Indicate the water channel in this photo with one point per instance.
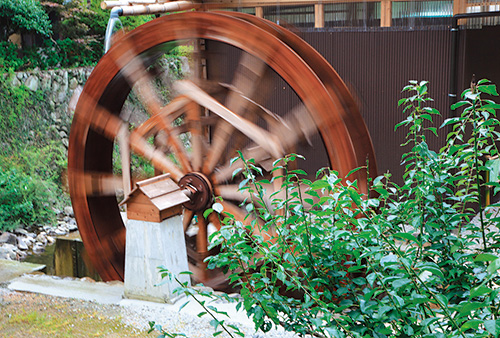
(67, 257)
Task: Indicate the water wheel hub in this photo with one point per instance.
(198, 188)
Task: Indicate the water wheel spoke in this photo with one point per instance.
(167, 115)
(259, 155)
(99, 183)
(157, 157)
(142, 84)
(202, 244)
(195, 129)
(187, 218)
(102, 121)
(124, 147)
(259, 135)
(246, 81)
(214, 218)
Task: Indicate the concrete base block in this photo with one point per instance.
(150, 245)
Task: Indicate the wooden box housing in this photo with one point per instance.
(155, 199)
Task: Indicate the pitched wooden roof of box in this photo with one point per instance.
(161, 191)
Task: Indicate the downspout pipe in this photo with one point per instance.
(116, 12)
(455, 31)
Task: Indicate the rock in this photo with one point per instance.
(73, 83)
(6, 253)
(72, 225)
(68, 211)
(9, 238)
(38, 248)
(21, 244)
(50, 240)
(61, 96)
(55, 87)
(62, 134)
(65, 141)
(41, 238)
(20, 255)
(31, 235)
(32, 83)
(60, 231)
(15, 82)
(29, 241)
(21, 231)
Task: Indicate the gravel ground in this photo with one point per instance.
(36, 315)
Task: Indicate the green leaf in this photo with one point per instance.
(183, 305)
(217, 207)
(488, 89)
(494, 266)
(493, 327)
(236, 172)
(459, 104)
(485, 257)
(431, 267)
(319, 184)
(406, 236)
(471, 324)
(442, 299)
(355, 196)
(207, 212)
(466, 308)
(481, 290)
(353, 171)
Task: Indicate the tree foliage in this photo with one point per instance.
(23, 16)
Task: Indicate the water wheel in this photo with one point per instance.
(281, 97)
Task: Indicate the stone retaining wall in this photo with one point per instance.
(62, 88)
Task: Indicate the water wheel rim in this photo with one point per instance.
(99, 220)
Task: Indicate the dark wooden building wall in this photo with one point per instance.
(377, 63)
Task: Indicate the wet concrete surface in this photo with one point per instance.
(13, 269)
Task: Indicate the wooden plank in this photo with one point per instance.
(264, 3)
(171, 212)
(143, 212)
(319, 15)
(259, 12)
(385, 13)
(159, 189)
(459, 7)
(170, 200)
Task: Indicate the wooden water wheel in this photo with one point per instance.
(281, 97)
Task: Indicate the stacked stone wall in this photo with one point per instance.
(62, 88)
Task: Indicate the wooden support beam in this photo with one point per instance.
(319, 16)
(259, 12)
(459, 6)
(385, 13)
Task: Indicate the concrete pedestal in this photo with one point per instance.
(150, 245)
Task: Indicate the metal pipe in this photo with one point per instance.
(116, 12)
(455, 31)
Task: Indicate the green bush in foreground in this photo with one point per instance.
(406, 261)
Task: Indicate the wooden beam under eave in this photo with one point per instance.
(385, 13)
(319, 16)
(459, 6)
(259, 12)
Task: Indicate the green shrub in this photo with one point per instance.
(407, 261)
(26, 200)
(31, 162)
